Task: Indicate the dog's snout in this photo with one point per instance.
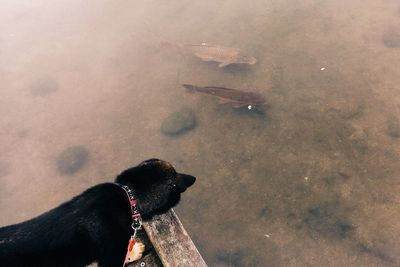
(189, 180)
(184, 181)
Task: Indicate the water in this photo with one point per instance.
(310, 181)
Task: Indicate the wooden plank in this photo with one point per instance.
(150, 258)
(172, 243)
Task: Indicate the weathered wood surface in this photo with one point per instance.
(167, 244)
(172, 243)
(150, 257)
(150, 260)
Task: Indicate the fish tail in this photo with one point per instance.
(190, 88)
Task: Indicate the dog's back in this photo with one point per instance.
(95, 225)
(64, 236)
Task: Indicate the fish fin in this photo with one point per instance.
(204, 59)
(239, 105)
(190, 88)
(224, 64)
(201, 45)
(219, 88)
(224, 100)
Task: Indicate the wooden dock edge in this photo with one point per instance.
(171, 242)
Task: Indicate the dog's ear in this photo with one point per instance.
(146, 172)
(183, 181)
(125, 176)
(149, 161)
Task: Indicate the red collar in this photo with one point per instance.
(133, 201)
(136, 221)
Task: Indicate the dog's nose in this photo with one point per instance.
(184, 181)
(189, 180)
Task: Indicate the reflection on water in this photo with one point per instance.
(310, 179)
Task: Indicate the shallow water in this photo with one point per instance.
(311, 180)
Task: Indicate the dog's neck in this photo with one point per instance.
(133, 202)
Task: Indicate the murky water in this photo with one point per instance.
(311, 180)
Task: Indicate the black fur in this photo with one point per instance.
(95, 225)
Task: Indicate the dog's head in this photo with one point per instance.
(156, 184)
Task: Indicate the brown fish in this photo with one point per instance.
(223, 55)
(235, 97)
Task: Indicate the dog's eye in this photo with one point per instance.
(171, 183)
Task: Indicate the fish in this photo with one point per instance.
(223, 55)
(236, 98)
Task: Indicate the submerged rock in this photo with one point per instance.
(234, 258)
(241, 257)
(265, 212)
(72, 160)
(391, 38)
(179, 122)
(393, 127)
(376, 247)
(326, 220)
(44, 86)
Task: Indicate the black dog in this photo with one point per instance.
(95, 225)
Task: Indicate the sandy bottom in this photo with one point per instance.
(311, 180)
